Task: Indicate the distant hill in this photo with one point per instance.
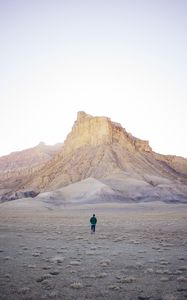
(28, 158)
(123, 167)
(17, 166)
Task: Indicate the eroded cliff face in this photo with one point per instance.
(94, 131)
(88, 130)
(98, 148)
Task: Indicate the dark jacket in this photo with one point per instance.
(93, 220)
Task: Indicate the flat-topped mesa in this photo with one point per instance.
(95, 148)
(93, 131)
(88, 130)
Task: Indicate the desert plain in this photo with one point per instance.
(139, 251)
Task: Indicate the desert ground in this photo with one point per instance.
(139, 251)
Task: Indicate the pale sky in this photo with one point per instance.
(124, 59)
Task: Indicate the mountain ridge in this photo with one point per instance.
(99, 148)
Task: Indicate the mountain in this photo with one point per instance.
(17, 165)
(28, 158)
(113, 164)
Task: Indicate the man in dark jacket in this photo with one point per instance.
(93, 222)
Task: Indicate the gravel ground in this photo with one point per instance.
(139, 251)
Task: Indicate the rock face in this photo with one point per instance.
(95, 131)
(100, 149)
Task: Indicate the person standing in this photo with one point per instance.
(93, 221)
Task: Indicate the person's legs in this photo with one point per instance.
(92, 228)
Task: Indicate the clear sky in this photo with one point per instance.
(124, 59)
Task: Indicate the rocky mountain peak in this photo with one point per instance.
(92, 131)
(88, 130)
(81, 115)
(101, 149)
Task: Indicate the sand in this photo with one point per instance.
(139, 251)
